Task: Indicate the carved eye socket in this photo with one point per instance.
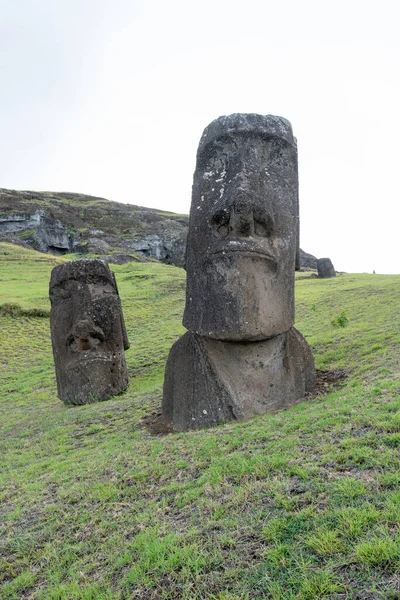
(64, 294)
(220, 223)
(263, 223)
(215, 154)
(60, 293)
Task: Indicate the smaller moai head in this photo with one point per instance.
(243, 230)
(325, 268)
(88, 332)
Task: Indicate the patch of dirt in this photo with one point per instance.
(327, 381)
(155, 423)
(359, 431)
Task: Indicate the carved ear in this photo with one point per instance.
(124, 333)
(123, 328)
(185, 256)
(114, 281)
(297, 264)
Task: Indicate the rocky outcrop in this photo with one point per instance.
(51, 236)
(13, 223)
(61, 222)
(307, 261)
(120, 259)
(46, 234)
(167, 248)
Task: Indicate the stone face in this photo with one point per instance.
(208, 382)
(325, 268)
(243, 230)
(88, 332)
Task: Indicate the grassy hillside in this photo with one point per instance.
(81, 211)
(299, 505)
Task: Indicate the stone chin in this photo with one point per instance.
(93, 377)
(252, 298)
(90, 358)
(243, 254)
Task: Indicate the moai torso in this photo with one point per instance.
(88, 332)
(208, 381)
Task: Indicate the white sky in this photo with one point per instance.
(110, 97)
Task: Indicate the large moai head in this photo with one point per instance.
(88, 332)
(243, 229)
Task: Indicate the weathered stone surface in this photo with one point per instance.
(88, 332)
(95, 245)
(170, 247)
(13, 223)
(51, 235)
(48, 234)
(208, 382)
(325, 268)
(242, 356)
(120, 259)
(243, 230)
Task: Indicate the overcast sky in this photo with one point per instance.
(110, 97)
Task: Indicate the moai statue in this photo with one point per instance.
(87, 331)
(241, 356)
(325, 268)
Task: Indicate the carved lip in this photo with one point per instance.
(90, 357)
(245, 250)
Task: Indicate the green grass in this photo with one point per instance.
(302, 504)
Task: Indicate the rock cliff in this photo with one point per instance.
(63, 222)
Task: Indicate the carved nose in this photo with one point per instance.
(85, 335)
(84, 343)
(241, 220)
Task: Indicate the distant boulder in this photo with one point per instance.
(325, 268)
